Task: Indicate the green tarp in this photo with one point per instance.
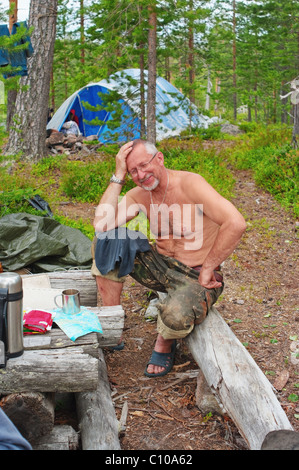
(41, 244)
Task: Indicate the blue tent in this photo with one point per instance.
(172, 109)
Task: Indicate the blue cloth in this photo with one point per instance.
(118, 248)
(16, 58)
(4, 57)
(19, 59)
(10, 437)
(77, 324)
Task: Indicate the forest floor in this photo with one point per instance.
(259, 303)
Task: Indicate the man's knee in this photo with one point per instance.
(183, 308)
(168, 332)
(111, 275)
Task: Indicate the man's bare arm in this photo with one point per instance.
(109, 213)
(230, 220)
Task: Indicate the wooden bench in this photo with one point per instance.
(52, 363)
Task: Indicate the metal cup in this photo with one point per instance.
(70, 301)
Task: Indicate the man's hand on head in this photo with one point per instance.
(121, 160)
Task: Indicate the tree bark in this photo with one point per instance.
(32, 413)
(151, 86)
(62, 437)
(50, 370)
(96, 415)
(28, 132)
(82, 36)
(191, 60)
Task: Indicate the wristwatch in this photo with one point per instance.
(114, 179)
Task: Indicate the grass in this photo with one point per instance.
(263, 150)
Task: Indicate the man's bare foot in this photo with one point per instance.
(163, 346)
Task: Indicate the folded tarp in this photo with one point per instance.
(41, 244)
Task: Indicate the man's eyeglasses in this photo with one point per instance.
(141, 167)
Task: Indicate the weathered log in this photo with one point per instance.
(32, 413)
(50, 370)
(61, 437)
(57, 339)
(236, 380)
(82, 280)
(112, 321)
(97, 420)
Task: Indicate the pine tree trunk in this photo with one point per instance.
(28, 131)
(142, 96)
(82, 35)
(151, 86)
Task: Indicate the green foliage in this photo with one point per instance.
(274, 163)
(85, 227)
(16, 201)
(86, 182)
(206, 163)
(279, 174)
(48, 165)
(213, 132)
(248, 127)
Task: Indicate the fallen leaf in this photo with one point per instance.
(281, 380)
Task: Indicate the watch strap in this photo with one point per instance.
(114, 179)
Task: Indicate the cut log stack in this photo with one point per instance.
(52, 364)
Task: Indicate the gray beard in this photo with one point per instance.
(152, 187)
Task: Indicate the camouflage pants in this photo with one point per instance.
(187, 302)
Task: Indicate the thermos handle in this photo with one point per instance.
(3, 309)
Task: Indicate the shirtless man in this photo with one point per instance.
(202, 232)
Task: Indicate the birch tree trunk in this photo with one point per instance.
(28, 129)
(151, 86)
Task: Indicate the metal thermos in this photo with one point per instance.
(11, 316)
